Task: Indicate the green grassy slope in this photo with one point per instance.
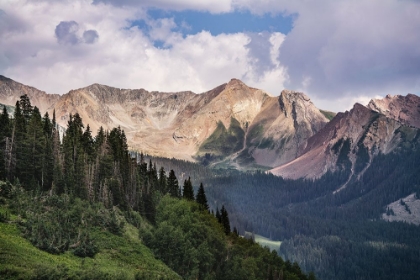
(119, 257)
(222, 142)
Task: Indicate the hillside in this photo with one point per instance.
(85, 208)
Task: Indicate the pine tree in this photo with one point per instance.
(218, 216)
(5, 133)
(201, 197)
(33, 147)
(47, 125)
(25, 105)
(74, 157)
(4, 123)
(15, 154)
(173, 187)
(224, 218)
(162, 181)
(48, 158)
(58, 184)
(88, 143)
(188, 191)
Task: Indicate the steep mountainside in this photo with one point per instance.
(10, 92)
(231, 125)
(353, 138)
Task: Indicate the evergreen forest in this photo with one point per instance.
(79, 206)
(335, 231)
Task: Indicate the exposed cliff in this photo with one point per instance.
(353, 138)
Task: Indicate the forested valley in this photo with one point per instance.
(78, 206)
(336, 232)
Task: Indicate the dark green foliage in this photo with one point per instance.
(194, 244)
(86, 247)
(163, 185)
(173, 187)
(58, 223)
(224, 220)
(187, 190)
(6, 189)
(201, 197)
(187, 239)
(63, 272)
(26, 107)
(4, 216)
(5, 134)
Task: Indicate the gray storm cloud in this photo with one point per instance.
(364, 48)
(90, 36)
(259, 49)
(65, 32)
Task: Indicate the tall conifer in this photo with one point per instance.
(188, 191)
(201, 197)
(173, 186)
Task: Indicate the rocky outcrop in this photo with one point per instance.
(352, 139)
(282, 128)
(405, 109)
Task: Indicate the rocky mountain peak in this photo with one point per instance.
(353, 138)
(10, 92)
(232, 122)
(289, 100)
(236, 83)
(405, 109)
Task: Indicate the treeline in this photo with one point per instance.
(97, 169)
(74, 185)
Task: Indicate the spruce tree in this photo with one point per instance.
(74, 157)
(34, 148)
(201, 197)
(173, 186)
(188, 191)
(5, 133)
(162, 181)
(5, 130)
(15, 154)
(218, 216)
(26, 107)
(224, 218)
(88, 143)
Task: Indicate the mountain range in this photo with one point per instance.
(237, 126)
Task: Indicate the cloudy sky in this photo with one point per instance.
(336, 51)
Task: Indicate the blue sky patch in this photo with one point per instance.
(193, 22)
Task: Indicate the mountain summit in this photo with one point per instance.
(232, 125)
(352, 139)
